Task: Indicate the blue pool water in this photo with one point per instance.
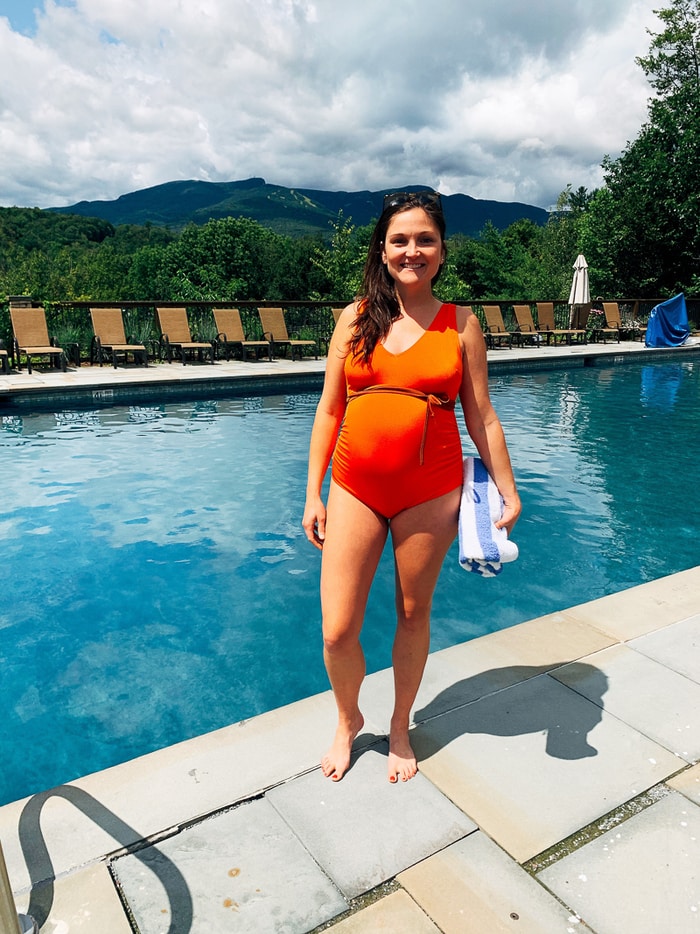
(157, 583)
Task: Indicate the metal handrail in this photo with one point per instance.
(10, 921)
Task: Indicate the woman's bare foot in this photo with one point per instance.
(402, 759)
(336, 761)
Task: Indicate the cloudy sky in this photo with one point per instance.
(501, 99)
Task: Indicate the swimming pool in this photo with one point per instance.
(157, 583)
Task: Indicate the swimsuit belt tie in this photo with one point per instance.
(439, 400)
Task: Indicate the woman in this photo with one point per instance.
(397, 361)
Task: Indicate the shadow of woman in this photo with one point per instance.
(532, 702)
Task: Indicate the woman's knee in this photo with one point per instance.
(413, 615)
(339, 639)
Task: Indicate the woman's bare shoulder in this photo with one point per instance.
(344, 328)
(467, 321)
(349, 313)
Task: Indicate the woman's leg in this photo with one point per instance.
(421, 537)
(355, 538)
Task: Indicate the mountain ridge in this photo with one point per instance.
(292, 211)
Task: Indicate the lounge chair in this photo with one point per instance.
(175, 335)
(546, 325)
(526, 326)
(4, 360)
(275, 330)
(495, 328)
(109, 338)
(230, 334)
(327, 333)
(613, 320)
(31, 338)
(612, 327)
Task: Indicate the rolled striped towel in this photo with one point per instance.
(482, 547)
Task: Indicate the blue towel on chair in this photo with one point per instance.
(482, 547)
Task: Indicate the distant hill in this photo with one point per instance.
(292, 211)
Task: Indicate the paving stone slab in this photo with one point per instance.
(395, 914)
(643, 609)
(83, 902)
(473, 887)
(667, 710)
(536, 762)
(643, 876)
(363, 830)
(242, 871)
(688, 783)
(677, 647)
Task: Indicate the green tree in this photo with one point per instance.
(340, 264)
(644, 231)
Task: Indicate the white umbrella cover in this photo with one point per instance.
(580, 292)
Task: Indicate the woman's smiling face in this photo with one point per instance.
(413, 248)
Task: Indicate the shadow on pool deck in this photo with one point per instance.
(558, 791)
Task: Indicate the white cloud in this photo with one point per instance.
(505, 101)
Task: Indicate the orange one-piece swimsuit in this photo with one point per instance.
(399, 443)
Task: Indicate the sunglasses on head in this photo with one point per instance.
(403, 197)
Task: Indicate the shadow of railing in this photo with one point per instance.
(41, 871)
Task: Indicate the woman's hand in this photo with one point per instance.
(511, 511)
(314, 521)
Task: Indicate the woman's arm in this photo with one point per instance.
(482, 423)
(329, 415)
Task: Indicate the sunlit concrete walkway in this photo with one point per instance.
(559, 791)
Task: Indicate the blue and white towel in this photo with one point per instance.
(482, 547)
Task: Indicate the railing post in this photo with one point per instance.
(10, 921)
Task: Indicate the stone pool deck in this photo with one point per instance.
(559, 787)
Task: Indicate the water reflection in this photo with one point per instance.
(660, 385)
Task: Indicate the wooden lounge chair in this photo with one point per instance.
(613, 320)
(275, 330)
(230, 334)
(526, 326)
(31, 338)
(109, 338)
(612, 327)
(546, 325)
(495, 328)
(327, 333)
(175, 335)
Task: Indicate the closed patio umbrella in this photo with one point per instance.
(580, 295)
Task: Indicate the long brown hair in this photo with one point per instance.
(378, 305)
